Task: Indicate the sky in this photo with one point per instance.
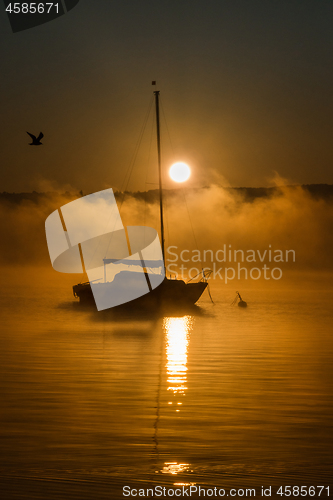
(246, 90)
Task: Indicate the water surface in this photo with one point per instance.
(217, 396)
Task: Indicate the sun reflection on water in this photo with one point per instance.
(175, 468)
(177, 341)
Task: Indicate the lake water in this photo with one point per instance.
(217, 397)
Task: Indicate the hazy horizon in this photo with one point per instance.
(289, 218)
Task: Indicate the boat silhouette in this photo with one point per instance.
(163, 291)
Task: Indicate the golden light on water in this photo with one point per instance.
(175, 468)
(177, 341)
(180, 172)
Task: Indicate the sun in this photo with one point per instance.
(180, 172)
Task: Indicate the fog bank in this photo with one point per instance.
(213, 218)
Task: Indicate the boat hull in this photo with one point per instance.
(168, 293)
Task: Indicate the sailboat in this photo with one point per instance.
(170, 292)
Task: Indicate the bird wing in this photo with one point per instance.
(31, 135)
(41, 135)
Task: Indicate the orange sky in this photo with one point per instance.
(245, 86)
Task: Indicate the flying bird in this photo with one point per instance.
(36, 140)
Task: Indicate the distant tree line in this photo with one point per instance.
(246, 194)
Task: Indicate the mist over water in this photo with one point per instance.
(287, 218)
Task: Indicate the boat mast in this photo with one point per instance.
(157, 93)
